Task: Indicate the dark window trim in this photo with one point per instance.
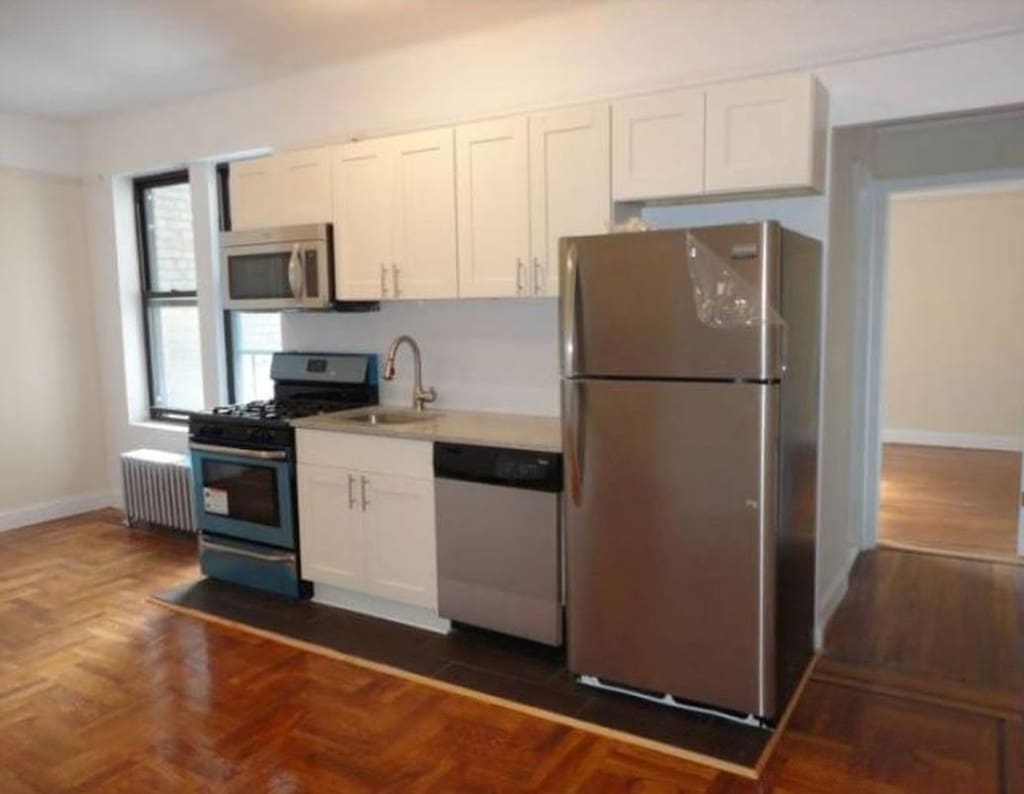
(150, 297)
(224, 196)
(224, 207)
(229, 350)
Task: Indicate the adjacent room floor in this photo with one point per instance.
(947, 499)
(920, 689)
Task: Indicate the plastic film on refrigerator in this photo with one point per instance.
(724, 299)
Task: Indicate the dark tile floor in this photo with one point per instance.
(532, 674)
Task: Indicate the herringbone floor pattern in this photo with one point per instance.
(103, 692)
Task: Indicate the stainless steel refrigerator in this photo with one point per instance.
(690, 366)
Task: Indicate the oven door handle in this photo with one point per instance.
(255, 454)
(255, 555)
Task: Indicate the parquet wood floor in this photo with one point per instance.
(953, 500)
(101, 691)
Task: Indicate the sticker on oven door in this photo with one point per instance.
(215, 500)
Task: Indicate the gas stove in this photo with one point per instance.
(243, 464)
(277, 410)
(304, 384)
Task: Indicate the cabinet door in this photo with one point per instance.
(765, 134)
(424, 249)
(401, 555)
(493, 208)
(658, 146)
(362, 219)
(251, 189)
(332, 548)
(570, 185)
(303, 187)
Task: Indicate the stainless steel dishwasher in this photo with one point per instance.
(498, 539)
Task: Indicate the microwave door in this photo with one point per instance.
(276, 276)
(256, 277)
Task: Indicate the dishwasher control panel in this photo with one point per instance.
(515, 468)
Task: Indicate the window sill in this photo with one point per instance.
(156, 424)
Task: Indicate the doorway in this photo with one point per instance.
(951, 382)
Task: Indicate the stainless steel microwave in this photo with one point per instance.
(287, 267)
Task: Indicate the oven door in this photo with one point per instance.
(276, 276)
(245, 494)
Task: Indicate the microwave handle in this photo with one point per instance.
(295, 279)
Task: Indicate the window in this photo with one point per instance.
(253, 337)
(163, 212)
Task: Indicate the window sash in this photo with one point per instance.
(152, 298)
(236, 349)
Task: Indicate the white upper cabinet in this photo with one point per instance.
(281, 190)
(424, 263)
(304, 187)
(493, 208)
(251, 191)
(766, 134)
(570, 185)
(658, 146)
(363, 219)
(394, 226)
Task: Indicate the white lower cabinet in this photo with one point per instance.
(332, 538)
(366, 515)
(400, 550)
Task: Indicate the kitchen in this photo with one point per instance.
(361, 532)
(494, 354)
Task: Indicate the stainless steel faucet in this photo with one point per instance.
(420, 396)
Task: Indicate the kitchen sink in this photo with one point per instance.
(385, 417)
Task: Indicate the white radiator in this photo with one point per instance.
(158, 489)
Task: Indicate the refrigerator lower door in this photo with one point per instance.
(670, 508)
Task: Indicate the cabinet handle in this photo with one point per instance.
(351, 492)
(538, 277)
(519, 276)
(362, 492)
(383, 281)
(394, 279)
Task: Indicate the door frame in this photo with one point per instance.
(872, 333)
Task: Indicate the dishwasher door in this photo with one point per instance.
(499, 558)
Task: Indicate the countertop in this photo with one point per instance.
(516, 431)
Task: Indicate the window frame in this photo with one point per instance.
(150, 297)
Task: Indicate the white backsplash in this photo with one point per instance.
(480, 355)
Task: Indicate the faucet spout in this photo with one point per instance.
(420, 395)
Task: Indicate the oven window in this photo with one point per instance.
(242, 491)
(259, 276)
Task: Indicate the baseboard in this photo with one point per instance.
(832, 598)
(929, 438)
(418, 617)
(51, 511)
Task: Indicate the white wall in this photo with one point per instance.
(954, 346)
(39, 145)
(487, 355)
(583, 54)
(51, 420)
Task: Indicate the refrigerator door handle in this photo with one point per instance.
(570, 308)
(575, 432)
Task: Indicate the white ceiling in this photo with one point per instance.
(74, 59)
(70, 59)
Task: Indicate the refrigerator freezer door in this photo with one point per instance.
(670, 513)
(628, 306)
